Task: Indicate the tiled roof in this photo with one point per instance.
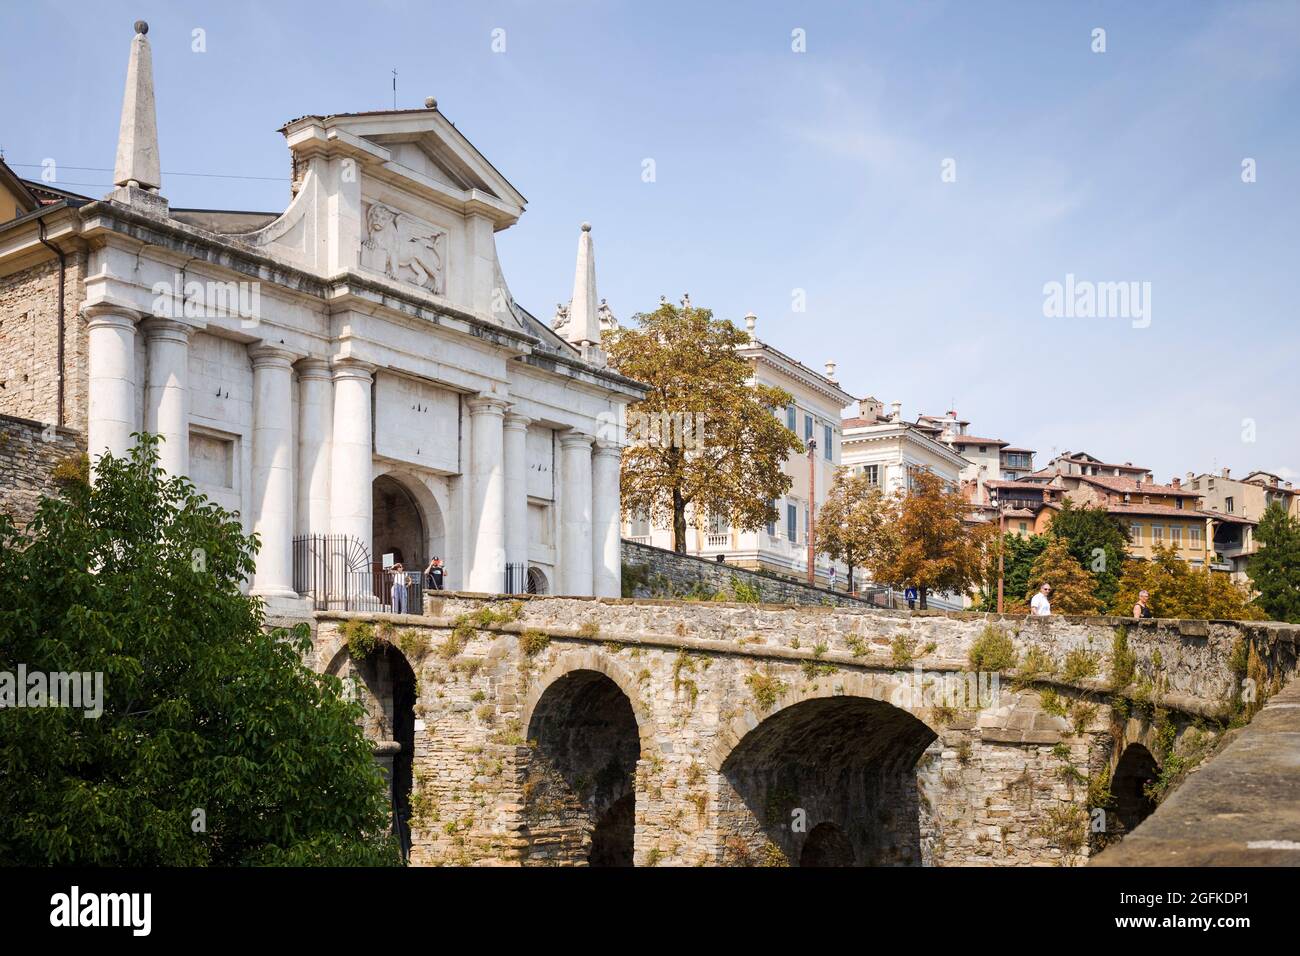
(1170, 510)
(1131, 487)
(972, 440)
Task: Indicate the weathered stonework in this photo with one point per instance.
(30, 453)
(554, 731)
(667, 571)
(29, 343)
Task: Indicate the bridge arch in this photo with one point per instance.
(592, 660)
(826, 779)
(579, 787)
(1134, 770)
(886, 688)
(386, 685)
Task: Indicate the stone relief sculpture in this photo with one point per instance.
(396, 241)
(561, 316)
(605, 314)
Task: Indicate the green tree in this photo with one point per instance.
(1179, 590)
(705, 439)
(1018, 556)
(933, 546)
(217, 744)
(1097, 540)
(1072, 586)
(1275, 569)
(855, 522)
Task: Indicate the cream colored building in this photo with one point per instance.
(1239, 503)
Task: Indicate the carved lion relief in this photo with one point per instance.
(404, 248)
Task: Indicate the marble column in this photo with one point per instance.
(605, 520)
(487, 496)
(351, 460)
(167, 393)
(516, 489)
(315, 425)
(111, 354)
(272, 472)
(575, 503)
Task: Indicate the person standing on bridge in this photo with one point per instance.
(1140, 609)
(399, 589)
(1041, 605)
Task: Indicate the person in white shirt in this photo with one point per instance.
(1041, 605)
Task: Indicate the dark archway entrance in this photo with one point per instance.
(847, 762)
(579, 791)
(826, 846)
(1135, 770)
(385, 683)
(398, 525)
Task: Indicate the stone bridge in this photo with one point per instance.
(572, 731)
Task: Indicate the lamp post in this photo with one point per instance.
(812, 511)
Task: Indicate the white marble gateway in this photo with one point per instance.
(356, 365)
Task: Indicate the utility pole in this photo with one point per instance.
(812, 511)
(1002, 546)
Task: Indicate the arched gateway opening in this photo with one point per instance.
(384, 682)
(825, 782)
(1134, 772)
(399, 526)
(579, 791)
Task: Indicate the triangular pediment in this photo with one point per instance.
(428, 144)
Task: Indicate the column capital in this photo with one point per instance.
(270, 356)
(487, 405)
(104, 314)
(314, 368)
(607, 449)
(165, 329)
(518, 420)
(573, 439)
(351, 368)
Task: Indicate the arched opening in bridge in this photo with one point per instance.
(826, 846)
(385, 684)
(1134, 772)
(848, 763)
(579, 792)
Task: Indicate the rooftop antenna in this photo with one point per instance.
(394, 87)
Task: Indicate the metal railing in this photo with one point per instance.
(516, 579)
(335, 573)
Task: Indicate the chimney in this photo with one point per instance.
(868, 409)
(896, 411)
(1225, 471)
(1178, 482)
(136, 171)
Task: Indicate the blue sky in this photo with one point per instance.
(820, 171)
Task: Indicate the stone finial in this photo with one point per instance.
(137, 140)
(583, 324)
(830, 371)
(751, 321)
(430, 103)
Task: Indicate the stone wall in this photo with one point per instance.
(657, 572)
(561, 731)
(29, 454)
(29, 343)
